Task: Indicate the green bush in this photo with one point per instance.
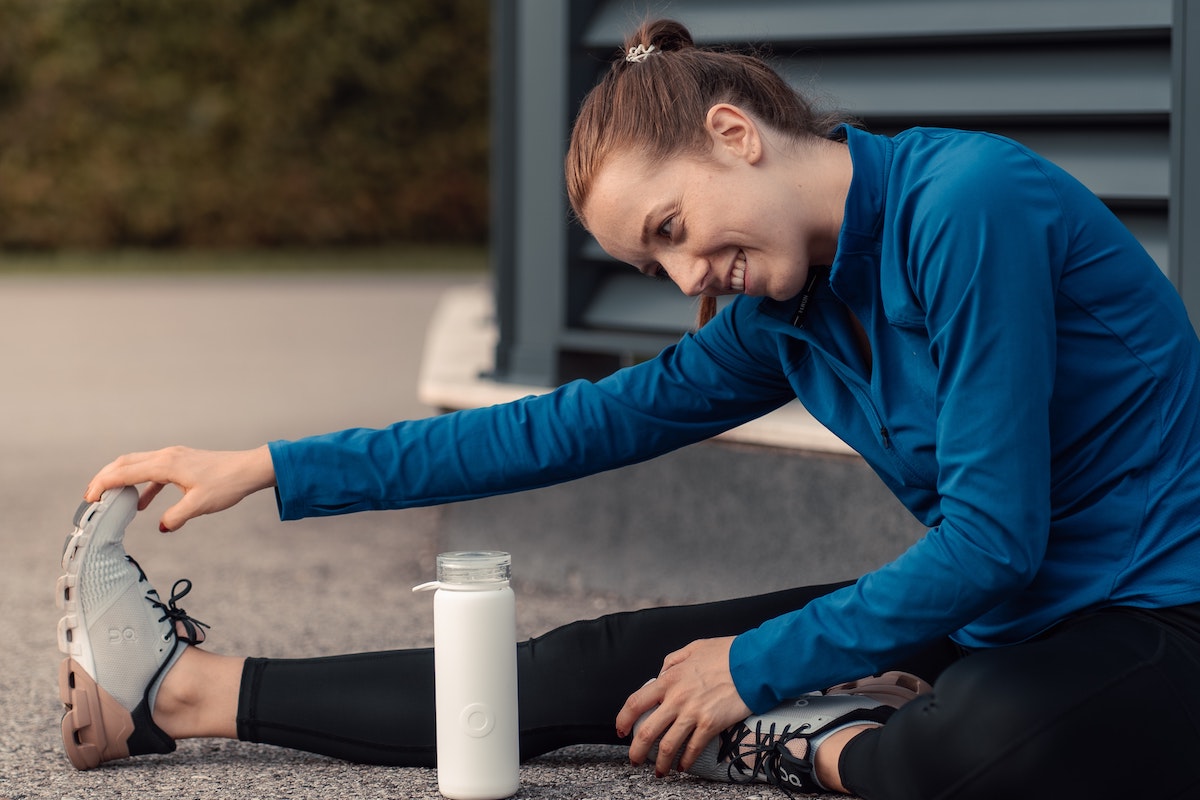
(242, 122)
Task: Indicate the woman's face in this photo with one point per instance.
(717, 225)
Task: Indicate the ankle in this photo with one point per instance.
(826, 761)
(179, 693)
(198, 696)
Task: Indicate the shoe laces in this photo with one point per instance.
(192, 634)
(765, 753)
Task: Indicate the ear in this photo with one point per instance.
(734, 133)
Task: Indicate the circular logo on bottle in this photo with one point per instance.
(477, 720)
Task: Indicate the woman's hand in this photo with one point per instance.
(211, 480)
(696, 700)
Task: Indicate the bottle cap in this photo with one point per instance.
(481, 566)
(475, 569)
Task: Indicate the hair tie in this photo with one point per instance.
(637, 55)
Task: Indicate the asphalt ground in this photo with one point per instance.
(100, 365)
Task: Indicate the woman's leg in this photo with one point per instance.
(379, 707)
(132, 682)
(1101, 707)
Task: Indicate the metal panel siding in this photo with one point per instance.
(1185, 156)
(1094, 85)
(1044, 81)
(820, 21)
(528, 206)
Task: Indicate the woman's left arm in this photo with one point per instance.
(985, 251)
(986, 245)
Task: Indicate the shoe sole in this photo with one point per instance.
(86, 737)
(95, 727)
(891, 688)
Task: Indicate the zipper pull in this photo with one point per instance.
(887, 437)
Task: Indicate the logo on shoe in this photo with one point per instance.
(790, 777)
(119, 635)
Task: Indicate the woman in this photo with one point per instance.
(963, 313)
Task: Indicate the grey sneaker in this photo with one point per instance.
(763, 748)
(120, 639)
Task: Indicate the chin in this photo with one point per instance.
(784, 294)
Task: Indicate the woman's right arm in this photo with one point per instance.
(702, 386)
(211, 480)
(706, 384)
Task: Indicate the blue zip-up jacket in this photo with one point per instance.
(1031, 397)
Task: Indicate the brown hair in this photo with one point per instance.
(658, 104)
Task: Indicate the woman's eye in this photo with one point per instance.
(666, 227)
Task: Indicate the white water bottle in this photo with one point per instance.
(475, 676)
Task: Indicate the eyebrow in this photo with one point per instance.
(646, 226)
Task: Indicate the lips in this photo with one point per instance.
(737, 279)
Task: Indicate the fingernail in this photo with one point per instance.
(162, 528)
(621, 734)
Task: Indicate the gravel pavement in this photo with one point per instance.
(95, 366)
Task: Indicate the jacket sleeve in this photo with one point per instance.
(985, 242)
(705, 384)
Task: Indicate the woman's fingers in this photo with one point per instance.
(638, 703)
(155, 466)
(148, 494)
(671, 744)
(695, 698)
(210, 480)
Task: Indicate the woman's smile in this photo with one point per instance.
(737, 280)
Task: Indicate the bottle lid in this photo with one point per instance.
(474, 567)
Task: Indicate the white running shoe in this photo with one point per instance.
(120, 639)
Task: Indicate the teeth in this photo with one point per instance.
(737, 281)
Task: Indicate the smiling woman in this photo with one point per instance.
(749, 216)
(960, 311)
(677, 81)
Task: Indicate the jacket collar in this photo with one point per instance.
(862, 223)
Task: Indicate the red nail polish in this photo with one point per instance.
(162, 528)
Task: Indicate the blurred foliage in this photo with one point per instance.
(242, 122)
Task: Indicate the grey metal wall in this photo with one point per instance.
(1099, 86)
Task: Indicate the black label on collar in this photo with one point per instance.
(810, 289)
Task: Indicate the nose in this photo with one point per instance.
(690, 274)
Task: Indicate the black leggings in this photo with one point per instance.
(1095, 708)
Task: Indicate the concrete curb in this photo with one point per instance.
(459, 355)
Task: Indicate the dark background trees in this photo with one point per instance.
(242, 123)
